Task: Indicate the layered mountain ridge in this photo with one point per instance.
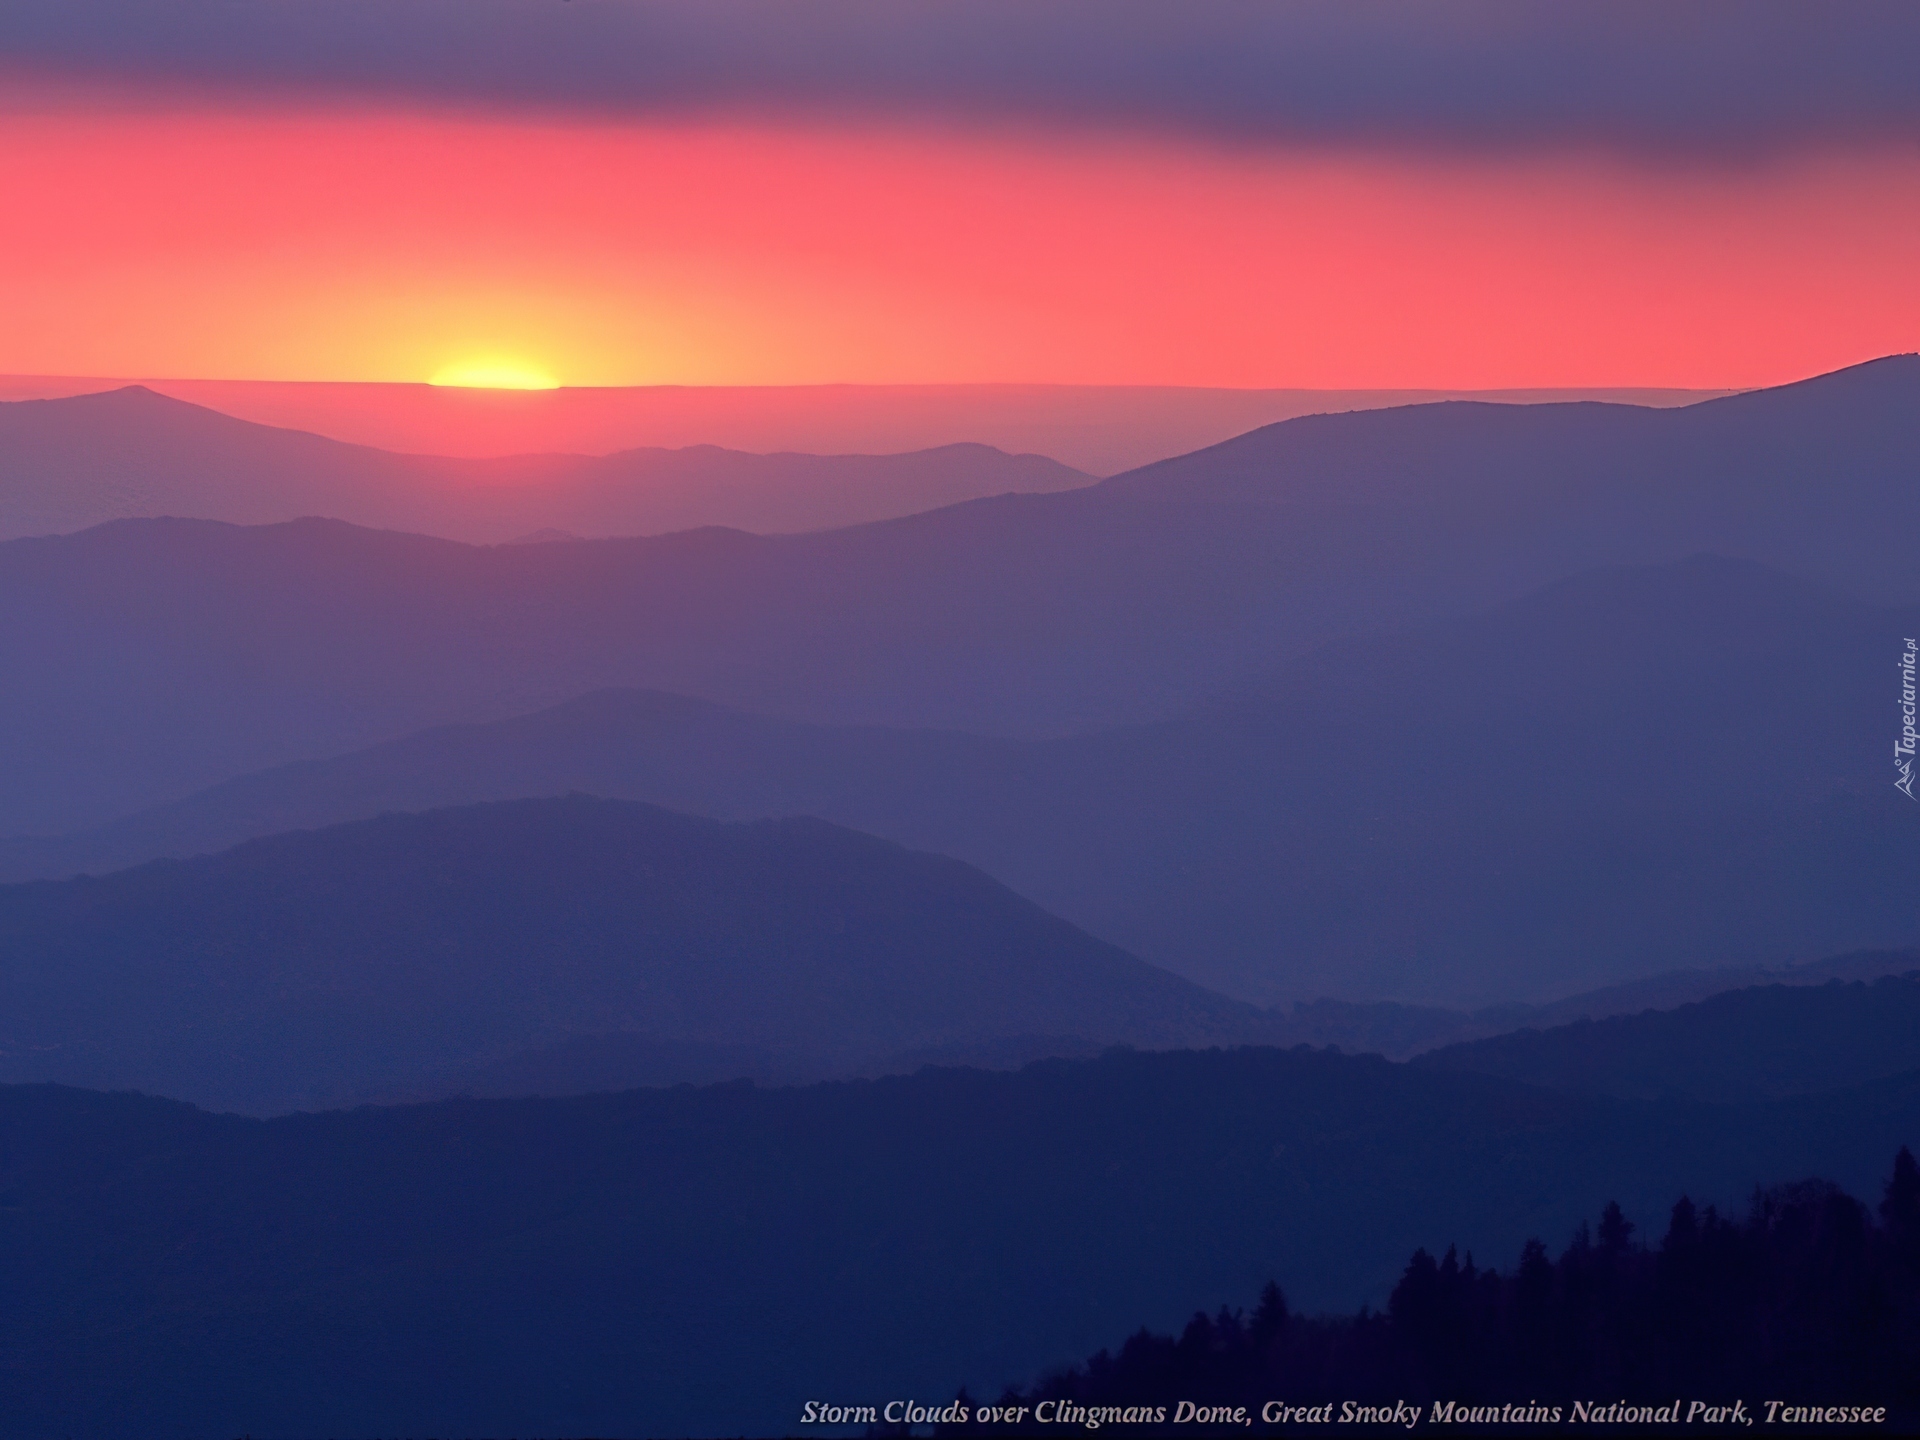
(341, 964)
(1636, 770)
(165, 656)
(72, 463)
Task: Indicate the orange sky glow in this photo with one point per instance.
(361, 246)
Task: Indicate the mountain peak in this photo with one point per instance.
(482, 930)
(1876, 382)
(133, 397)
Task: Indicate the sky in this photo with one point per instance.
(779, 192)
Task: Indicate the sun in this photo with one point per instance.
(495, 374)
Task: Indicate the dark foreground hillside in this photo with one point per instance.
(1805, 1306)
(703, 1261)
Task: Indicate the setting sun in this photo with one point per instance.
(495, 375)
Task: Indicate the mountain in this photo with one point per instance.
(148, 659)
(1400, 1032)
(1101, 429)
(1748, 1044)
(703, 1261)
(1634, 771)
(1814, 477)
(1552, 797)
(334, 963)
(686, 754)
(151, 658)
(72, 463)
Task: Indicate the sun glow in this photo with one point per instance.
(365, 245)
(495, 375)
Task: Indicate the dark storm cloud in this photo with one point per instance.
(1745, 76)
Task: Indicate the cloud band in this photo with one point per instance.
(1712, 77)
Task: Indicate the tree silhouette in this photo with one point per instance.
(1806, 1301)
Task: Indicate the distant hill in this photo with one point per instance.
(149, 658)
(1755, 1043)
(1401, 1031)
(1101, 429)
(164, 656)
(72, 463)
(702, 1261)
(631, 744)
(1560, 789)
(332, 964)
(1798, 476)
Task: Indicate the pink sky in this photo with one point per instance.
(354, 245)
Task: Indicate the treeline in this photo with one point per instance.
(1810, 1299)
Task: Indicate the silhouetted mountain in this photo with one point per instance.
(1632, 771)
(327, 964)
(151, 658)
(1402, 1031)
(69, 464)
(1746, 1044)
(1674, 988)
(1101, 429)
(634, 744)
(1810, 477)
(703, 1261)
(166, 656)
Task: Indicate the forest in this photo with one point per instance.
(1810, 1303)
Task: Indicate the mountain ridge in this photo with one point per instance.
(1573, 748)
(71, 463)
(1753, 1043)
(335, 963)
(226, 650)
